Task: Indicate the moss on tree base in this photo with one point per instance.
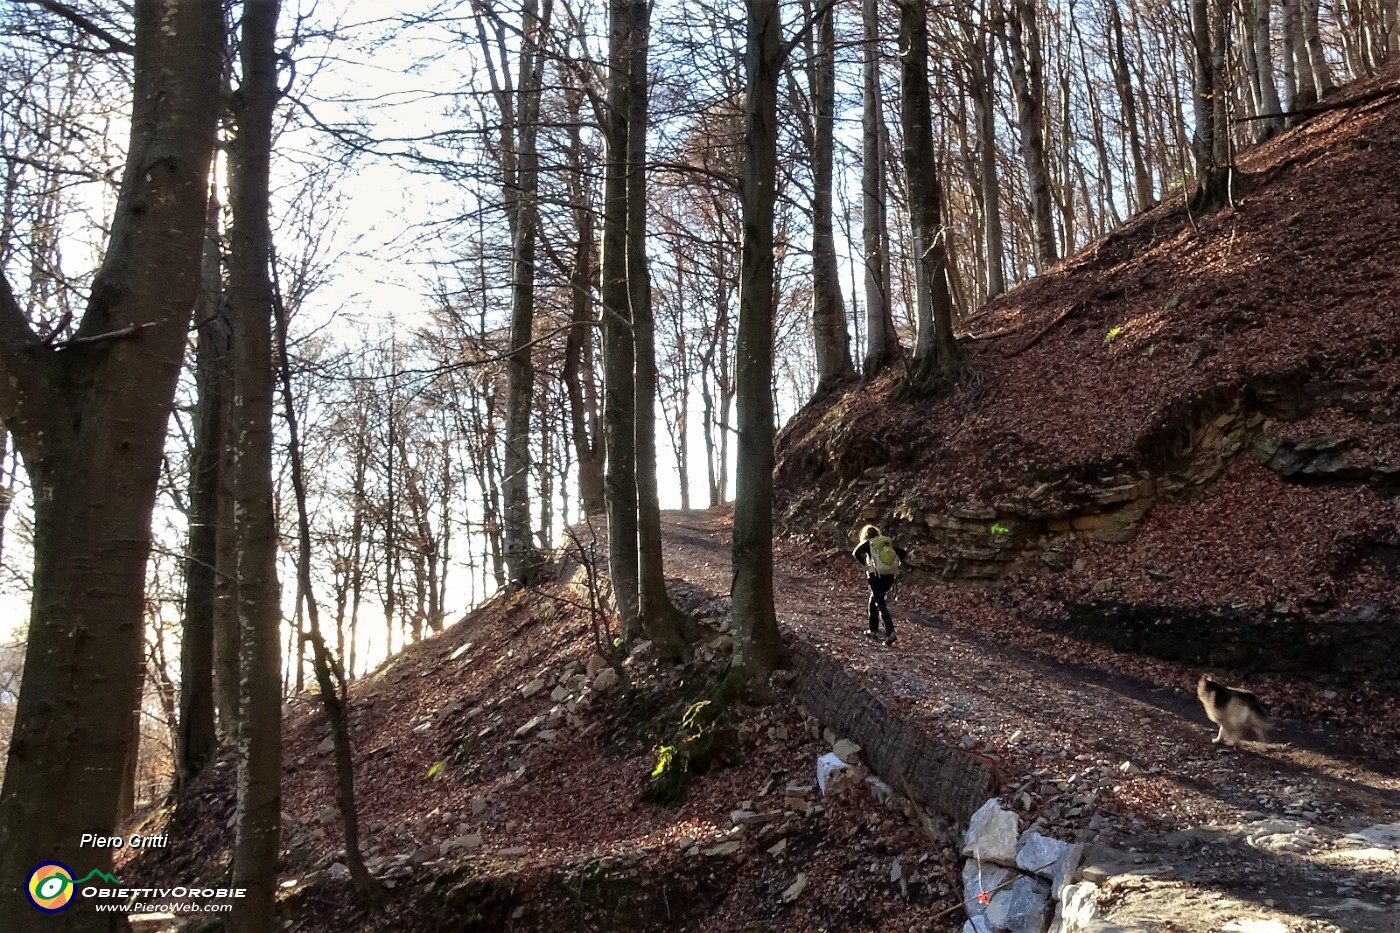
(705, 740)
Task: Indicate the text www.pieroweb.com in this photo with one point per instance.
(166, 908)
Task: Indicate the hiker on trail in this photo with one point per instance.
(882, 561)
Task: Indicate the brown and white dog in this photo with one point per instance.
(1237, 712)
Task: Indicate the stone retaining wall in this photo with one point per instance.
(1359, 647)
(979, 540)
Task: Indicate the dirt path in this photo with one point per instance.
(1184, 835)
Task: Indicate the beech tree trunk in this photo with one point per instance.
(126, 800)
(1262, 67)
(882, 343)
(88, 415)
(579, 376)
(1105, 187)
(757, 645)
(258, 819)
(1304, 82)
(982, 73)
(716, 368)
(1123, 81)
(832, 339)
(1063, 192)
(937, 356)
(1027, 77)
(196, 739)
(330, 679)
(1323, 82)
(659, 617)
(8, 466)
(1392, 33)
(226, 627)
(1210, 145)
(619, 390)
(522, 559)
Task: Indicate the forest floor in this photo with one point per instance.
(1113, 748)
(496, 795)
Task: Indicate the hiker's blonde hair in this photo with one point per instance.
(868, 532)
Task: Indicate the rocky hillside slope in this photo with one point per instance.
(1183, 440)
(501, 768)
(1184, 443)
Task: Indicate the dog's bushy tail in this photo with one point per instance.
(1260, 720)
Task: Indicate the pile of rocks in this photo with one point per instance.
(1016, 882)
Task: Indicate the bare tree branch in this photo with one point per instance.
(120, 333)
(113, 42)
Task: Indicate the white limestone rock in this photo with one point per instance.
(450, 708)
(533, 723)
(882, 792)
(1078, 909)
(1049, 858)
(979, 880)
(1022, 908)
(991, 834)
(833, 774)
(847, 751)
(468, 842)
(424, 854)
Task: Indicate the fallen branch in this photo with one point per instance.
(992, 335)
(1369, 96)
(1047, 328)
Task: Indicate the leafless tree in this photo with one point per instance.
(258, 819)
(88, 414)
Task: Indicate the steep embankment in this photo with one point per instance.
(1185, 439)
(500, 768)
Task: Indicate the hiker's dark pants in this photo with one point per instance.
(880, 584)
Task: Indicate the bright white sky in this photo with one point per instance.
(382, 282)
